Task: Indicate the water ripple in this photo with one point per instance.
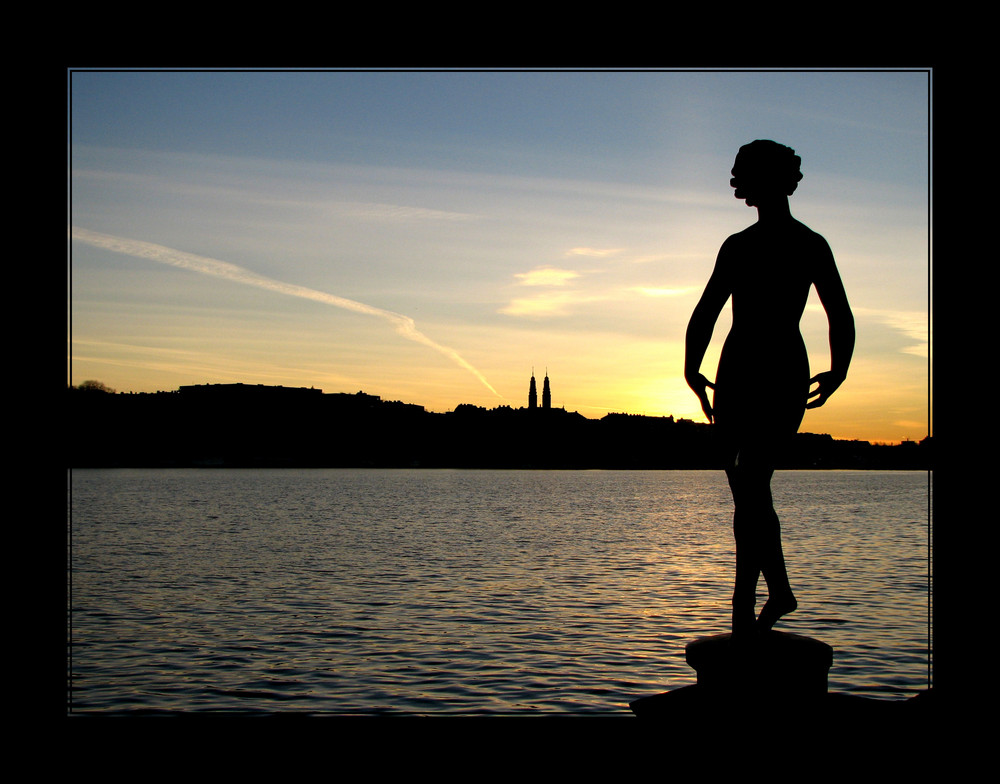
(442, 592)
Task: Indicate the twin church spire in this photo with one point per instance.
(533, 393)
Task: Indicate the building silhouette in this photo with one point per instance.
(533, 393)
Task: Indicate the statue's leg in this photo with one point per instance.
(757, 531)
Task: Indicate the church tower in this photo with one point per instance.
(532, 393)
(546, 393)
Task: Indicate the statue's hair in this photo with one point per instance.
(765, 165)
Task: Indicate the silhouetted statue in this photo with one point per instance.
(762, 385)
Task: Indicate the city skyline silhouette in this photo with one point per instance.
(149, 428)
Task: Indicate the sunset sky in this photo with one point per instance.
(433, 237)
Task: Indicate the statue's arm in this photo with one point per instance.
(832, 295)
(702, 324)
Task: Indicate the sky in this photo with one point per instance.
(436, 237)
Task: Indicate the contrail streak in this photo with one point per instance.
(404, 325)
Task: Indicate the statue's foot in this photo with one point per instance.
(774, 608)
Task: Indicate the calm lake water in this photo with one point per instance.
(436, 592)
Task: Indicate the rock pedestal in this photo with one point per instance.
(771, 670)
(776, 665)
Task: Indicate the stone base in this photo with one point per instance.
(777, 677)
(774, 664)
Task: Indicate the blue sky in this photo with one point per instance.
(433, 236)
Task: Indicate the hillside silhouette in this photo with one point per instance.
(242, 425)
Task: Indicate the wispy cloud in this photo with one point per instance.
(653, 291)
(551, 304)
(570, 288)
(593, 252)
(915, 325)
(177, 362)
(546, 276)
(403, 325)
(377, 211)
